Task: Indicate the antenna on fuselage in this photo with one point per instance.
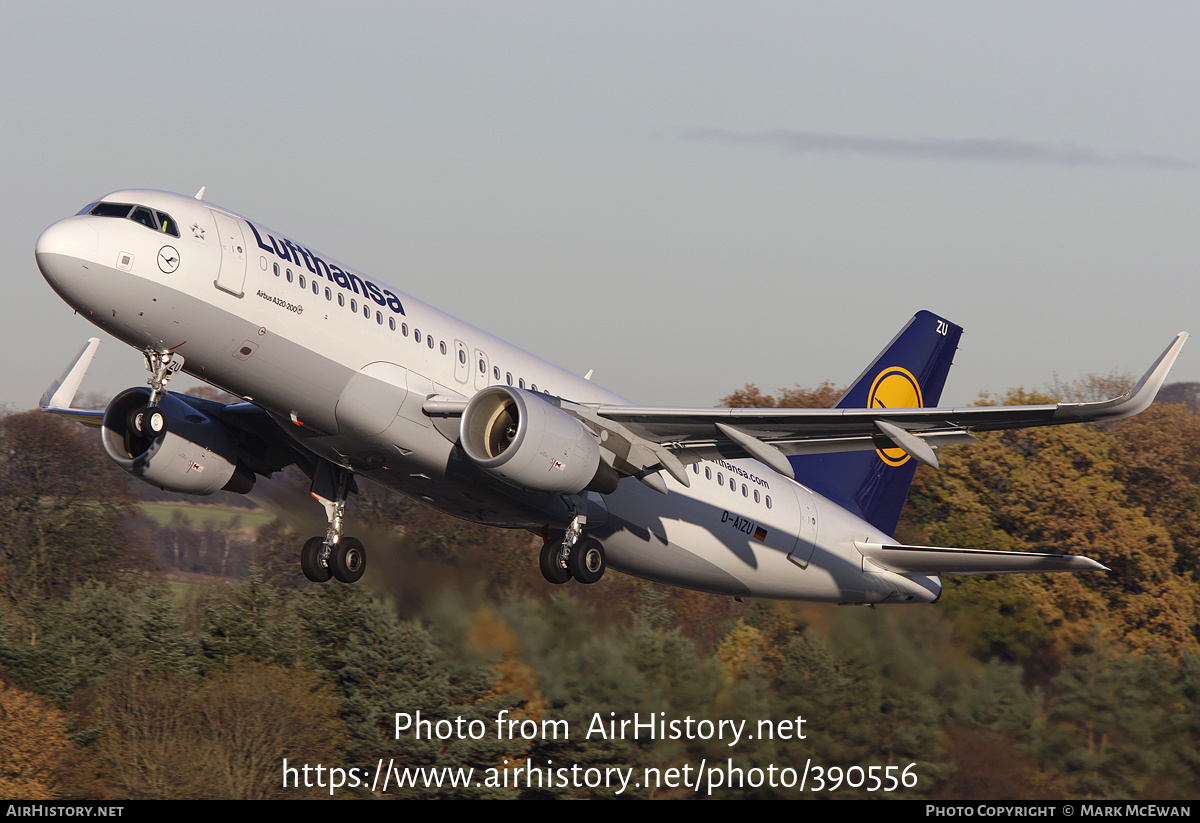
(200, 194)
(588, 376)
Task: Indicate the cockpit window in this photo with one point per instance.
(143, 215)
(110, 210)
(151, 219)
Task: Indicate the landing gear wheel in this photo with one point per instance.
(586, 562)
(133, 422)
(348, 560)
(552, 567)
(153, 422)
(310, 561)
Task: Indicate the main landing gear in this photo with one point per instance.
(333, 555)
(571, 555)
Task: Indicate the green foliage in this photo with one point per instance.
(63, 505)
(254, 620)
(1107, 721)
(57, 647)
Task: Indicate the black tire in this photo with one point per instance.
(310, 561)
(348, 560)
(587, 561)
(152, 423)
(552, 568)
(133, 424)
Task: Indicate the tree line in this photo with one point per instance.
(122, 678)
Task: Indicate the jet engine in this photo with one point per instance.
(518, 437)
(194, 455)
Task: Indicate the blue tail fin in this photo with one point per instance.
(909, 373)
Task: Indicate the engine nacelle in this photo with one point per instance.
(529, 443)
(197, 455)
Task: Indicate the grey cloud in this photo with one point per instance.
(974, 149)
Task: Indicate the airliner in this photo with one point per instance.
(350, 379)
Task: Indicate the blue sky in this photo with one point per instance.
(684, 197)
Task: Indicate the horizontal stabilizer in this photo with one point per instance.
(936, 560)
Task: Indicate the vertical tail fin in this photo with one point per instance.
(909, 373)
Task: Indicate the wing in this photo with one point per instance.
(770, 435)
(642, 440)
(61, 393)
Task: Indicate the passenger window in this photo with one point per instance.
(745, 491)
(404, 329)
(495, 372)
(462, 358)
(303, 284)
(353, 305)
(276, 267)
(289, 275)
(317, 287)
(392, 323)
(707, 473)
(429, 340)
(521, 383)
(379, 318)
(442, 346)
(341, 299)
(328, 294)
(417, 335)
(768, 501)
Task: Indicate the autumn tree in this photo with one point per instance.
(1157, 457)
(35, 747)
(824, 396)
(1054, 490)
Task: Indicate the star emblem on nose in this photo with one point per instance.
(197, 232)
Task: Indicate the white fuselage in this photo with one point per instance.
(344, 364)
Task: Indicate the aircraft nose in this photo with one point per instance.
(61, 247)
(67, 235)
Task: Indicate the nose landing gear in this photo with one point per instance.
(150, 422)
